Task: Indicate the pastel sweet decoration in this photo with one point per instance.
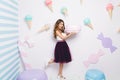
(20, 43)
(44, 28)
(106, 42)
(93, 58)
(118, 30)
(33, 74)
(29, 43)
(118, 5)
(28, 19)
(109, 8)
(94, 74)
(72, 28)
(87, 22)
(81, 1)
(27, 66)
(64, 11)
(23, 54)
(48, 3)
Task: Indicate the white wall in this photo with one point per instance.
(84, 44)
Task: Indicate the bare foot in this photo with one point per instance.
(47, 63)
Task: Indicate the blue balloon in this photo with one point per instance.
(34, 74)
(94, 74)
(28, 18)
(87, 21)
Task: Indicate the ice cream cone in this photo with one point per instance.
(49, 4)
(109, 8)
(64, 11)
(50, 7)
(28, 20)
(110, 13)
(44, 28)
(90, 26)
(29, 24)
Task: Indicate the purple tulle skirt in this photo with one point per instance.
(62, 53)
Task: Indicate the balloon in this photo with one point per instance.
(34, 74)
(94, 74)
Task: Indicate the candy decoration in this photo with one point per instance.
(106, 42)
(93, 58)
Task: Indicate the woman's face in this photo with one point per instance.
(61, 26)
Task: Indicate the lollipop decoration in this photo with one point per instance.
(48, 3)
(87, 22)
(64, 11)
(28, 19)
(109, 8)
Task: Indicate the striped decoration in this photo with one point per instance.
(9, 52)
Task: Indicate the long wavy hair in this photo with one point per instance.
(56, 27)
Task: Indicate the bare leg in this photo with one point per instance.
(49, 62)
(60, 70)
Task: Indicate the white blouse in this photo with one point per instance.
(60, 39)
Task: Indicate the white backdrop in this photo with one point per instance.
(83, 45)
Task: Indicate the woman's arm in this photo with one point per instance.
(64, 37)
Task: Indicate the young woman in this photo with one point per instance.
(62, 53)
